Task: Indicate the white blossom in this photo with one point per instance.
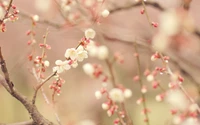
(88, 69)
(103, 52)
(150, 78)
(71, 53)
(127, 93)
(46, 63)
(105, 13)
(116, 95)
(90, 33)
(61, 66)
(160, 42)
(86, 122)
(190, 121)
(98, 94)
(35, 18)
(170, 23)
(105, 106)
(82, 54)
(177, 99)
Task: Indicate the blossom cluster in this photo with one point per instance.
(7, 15)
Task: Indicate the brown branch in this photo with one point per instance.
(38, 119)
(133, 5)
(175, 60)
(40, 85)
(41, 21)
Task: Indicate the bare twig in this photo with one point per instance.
(141, 83)
(40, 85)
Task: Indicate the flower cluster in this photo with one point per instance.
(114, 96)
(94, 50)
(7, 15)
(75, 55)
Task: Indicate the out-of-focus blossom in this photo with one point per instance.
(90, 33)
(102, 52)
(177, 99)
(170, 23)
(105, 13)
(88, 69)
(116, 95)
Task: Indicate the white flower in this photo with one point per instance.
(177, 99)
(170, 23)
(35, 18)
(90, 33)
(105, 106)
(82, 54)
(190, 121)
(127, 93)
(71, 53)
(86, 122)
(116, 95)
(98, 94)
(105, 13)
(158, 98)
(74, 64)
(88, 69)
(160, 42)
(61, 66)
(150, 78)
(46, 63)
(103, 52)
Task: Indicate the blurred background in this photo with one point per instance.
(77, 103)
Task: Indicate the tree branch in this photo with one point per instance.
(38, 119)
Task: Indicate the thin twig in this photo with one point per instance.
(141, 83)
(40, 85)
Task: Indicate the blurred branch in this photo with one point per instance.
(175, 60)
(141, 83)
(41, 21)
(133, 5)
(38, 119)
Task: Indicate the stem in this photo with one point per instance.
(141, 83)
(180, 86)
(40, 85)
(145, 10)
(110, 68)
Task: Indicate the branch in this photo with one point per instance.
(40, 85)
(41, 21)
(153, 4)
(175, 60)
(141, 83)
(38, 119)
